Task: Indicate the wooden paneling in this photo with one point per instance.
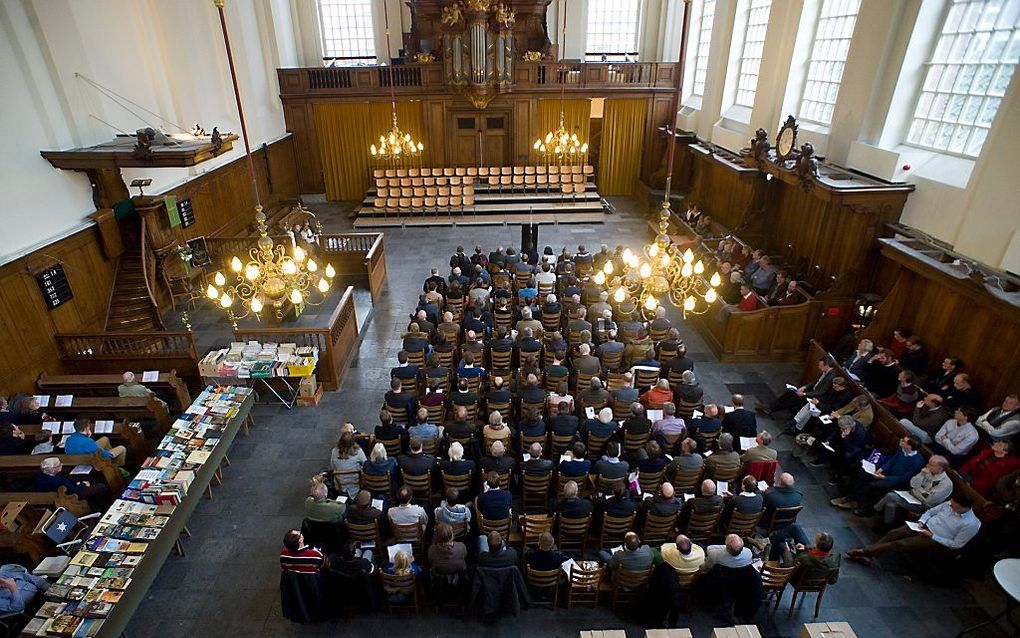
(726, 190)
(768, 334)
(954, 316)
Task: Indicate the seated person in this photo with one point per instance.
(464, 395)
(957, 436)
(49, 478)
(561, 395)
(18, 588)
(531, 423)
(362, 512)
(626, 394)
(815, 561)
(545, 557)
(637, 424)
(416, 462)
(535, 464)
(494, 552)
(573, 463)
(497, 430)
(731, 554)
(635, 555)
(423, 430)
(80, 442)
(930, 486)
(494, 503)
(928, 416)
(496, 460)
(619, 504)
(451, 511)
(320, 508)
(14, 442)
(403, 565)
(670, 428)
(602, 425)
(881, 373)
(595, 395)
(790, 401)
(688, 459)
(806, 417)
(844, 449)
(683, 556)
(572, 505)
(961, 393)
(748, 300)
(708, 501)
(387, 430)
(665, 503)
(659, 395)
(984, 469)
(347, 457)
(761, 451)
(748, 501)
(457, 465)
(653, 460)
(459, 428)
(708, 423)
(1002, 422)
(901, 403)
(400, 402)
(404, 370)
(300, 561)
(725, 458)
(446, 555)
(610, 466)
(894, 474)
(945, 529)
(561, 422)
(405, 512)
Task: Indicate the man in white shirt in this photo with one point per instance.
(944, 529)
(957, 436)
(733, 554)
(930, 487)
(1002, 422)
(406, 513)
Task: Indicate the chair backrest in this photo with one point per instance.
(560, 443)
(686, 481)
(702, 525)
(806, 580)
(572, 533)
(628, 584)
(501, 359)
(404, 584)
(437, 414)
(773, 576)
(730, 474)
(551, 321)
(399, 415)
(583, 585)
(612, 361)
(392, 447)
(743, 524)
(416, 358)
(650, 481)
(376, 484)
(502, 526)
(645, 378)
(596, 445)
(763, 470)
(536, 489)
(543, 579)
(610, 485)
(532, 526)
(781, 517)
(659, 529)
(320, 533)
(613, 530)
(364, 532)
(409, 533)
(460, 482)
(420, 484)
(502, 408)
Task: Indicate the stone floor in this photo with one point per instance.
(226, 584)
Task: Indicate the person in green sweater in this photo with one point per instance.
(319, 508)
(815, 561)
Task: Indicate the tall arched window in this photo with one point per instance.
(749, 63)
(967, 75)
(613, 30)
(347, 34)
(836, 22)
(704, 32)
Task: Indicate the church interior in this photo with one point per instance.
(597, 318)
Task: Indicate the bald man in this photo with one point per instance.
(731, 554)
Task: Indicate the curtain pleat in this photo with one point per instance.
(346, 130)
(623, 138)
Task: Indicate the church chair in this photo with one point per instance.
(566, 188)
(525, 440)
(472, 412)
(621, 412)
(702, 526)
(428, 181)
(614, 380)
(409, 385)
(580, 188)
(559, 445)
(541, 181)
(402, 173)
(456, 306)
(613, 530)
(405, 184)
(469, 199)
(455, 190)
(572, 534)
(686, 481)
(605, 485)
(686, 583)
(742, 524)
(501, 525)
(406, 191)
(365, 532)
(554, 180)
(505, 181)
(731, 475)
(583, 586)
(644, 379)
(442, 202)
(378, 173)
(390, 172)
(659, 529)
(629, 586)
(774, 580)
(501, 360)
(506, 170)
(532, 527)
(551, 383)
(380, 183)
(442, 181)
(529, 170)
(449, 172)
(418, 203)
(382, 191)
(781, 517)
(538, 407)
(706, 440)
(443, 191)
(657, 335)
(459, 482)
(431, 191)
(394, 585)
(430, 202)
(576, 170)
(542, 584)
(399, 417)
(472, 171)
(650, 481)
(474, 383)
(544, 290)
(460, 171)
(420, 486)
(540, 170)
(803, 584)
(378, 485)
(535, 494)
(418, 191)
(502, 408)
(631, 442)
(437, 413)
(410, 533)
(577, 178)
(446, 358)
(554, 170)
(392, 203)
(596, 445)
(551, 321)
(467, 181)
(417, 358)
(455, 181)
(431, 446)
(685, 409)
(763, 470)
(493, 180)
(504, 477)
(483, 171)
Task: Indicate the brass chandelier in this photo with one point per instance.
(396, 148)
(662, 273)
(271, 276)
(560, 146)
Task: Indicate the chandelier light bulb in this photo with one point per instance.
(225, 300)
(289, 267)
(295, 296)
(689, 304)
(699, 268)
(651, 303)
(421, 147)
(600, 278)
(653, 250)
(688, 256)
(645, 271)
(711, 295)
(220, 279)
(619, 295)
(627, 255)
(212, 293)
(374, 152)
(548, 137)
(299, 254)
(715, 280)
(608, 267)
(665, 260)
(256, 305)
(393, 138)
(252, 272)
(538, 144)
(584, 147)
(323, 285)
(330, 272)
(235, 264)
(311, 265)
(687, 270)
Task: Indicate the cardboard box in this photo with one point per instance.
(740, 631)
(827, 630)
(306, 387)
(668, 633)
(312, 400)
(604, 633)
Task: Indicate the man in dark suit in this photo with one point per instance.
(531, 393)
(793, 400)
(404, 370)
(498, 393)
(535, 463)
(619, 504)
(610, 466)
(561, 421)
(678, 364)
(496, 460)
(494, 503)
(436, 280)
(494, 552)
(528, 342)
(416, 462)
(572, 505)
(399, 400)
(740, 422)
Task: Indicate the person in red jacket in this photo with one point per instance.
(748, 300)
(984, 469)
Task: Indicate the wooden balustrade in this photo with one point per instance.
(116, 352)
(359, 255)
(336, 342)
(221, 249)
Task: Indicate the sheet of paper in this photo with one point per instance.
(51, 426)
(868, 466)
(727, 409)
(526, 457)
(647, 495)
(399, 547)
(722, 487)
(811, 440)
(828, 447)
(907, 496)
(589, 412)
(792, 388)
(917, 527)
(64, 400)
(813, 409)
(854, 377)
(688, 497)
(826, 419)
(654, 415)
(707, 453)
(618, 548)
(196, 409)
(697, 414)
(150, 376)
(67, 427)
(342, 498)
(566, 565)
(377, 503)
(104, 427)
(43, 399)
(748, 442)
(762, 485)
(81, 469)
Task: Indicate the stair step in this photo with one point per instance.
(138, 323)
(131, 311)
(124, 296)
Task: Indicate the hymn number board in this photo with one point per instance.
(186, 212)
(54, 286)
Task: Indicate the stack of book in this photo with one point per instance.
(255, 360)
(92, 584)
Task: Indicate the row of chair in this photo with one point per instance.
(397, 182)
(425, 191)
(483, 171)
(418, 203)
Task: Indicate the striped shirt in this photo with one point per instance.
(306, 560)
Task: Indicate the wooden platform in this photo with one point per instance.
(466, 218)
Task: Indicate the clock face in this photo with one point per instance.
(784, 144)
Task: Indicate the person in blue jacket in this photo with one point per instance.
(895, 473)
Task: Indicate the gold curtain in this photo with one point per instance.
(623, 139)
(345, 132)
(576, 118)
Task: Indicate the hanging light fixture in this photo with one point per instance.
(395, 147)
(661, 272)
(560, 146)
(269, 276)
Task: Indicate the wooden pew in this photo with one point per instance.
(24, 466)
(885, 429)
(106, 385)
(51, 500)
(115, 408)
(123, 434)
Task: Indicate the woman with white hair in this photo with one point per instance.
(378, 463)
(49, 479)
(457, 465)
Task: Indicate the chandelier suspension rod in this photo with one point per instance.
(676, 99)
(393, 95)
(237, 98)
(563, 75)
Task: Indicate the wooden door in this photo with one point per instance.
(480, 139)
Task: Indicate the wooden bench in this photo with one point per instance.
(116, 408)
(885, 429)
(51, 500)
(102, 385)
(22, 466)
(122, 434)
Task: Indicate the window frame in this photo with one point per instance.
(613, 56)
(347, 60)
(747, 26)
(811, 59)
(693, 93)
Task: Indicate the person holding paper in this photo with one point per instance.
(602, 425)
(740, 422)
(535, 464)
(81, 443)
(633, 555)
(318, 506)
(941, 531)
(761, 450)
(749, 501)
(929, 415)
(49, 479)
(806, 419)
(928, 488)
(984, 469)
(855, 362)
(1001, 422)
(670, 428)
(363, 511)
(895, 473)
(14, 442)
(725, 459)
(792, 400)
(657, 396)
(664, 503)
(844, 450)
(545, 557)
(688, 459)
(572, 505)
(815, 561)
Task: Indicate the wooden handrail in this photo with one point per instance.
(113, 289)
(146, 263)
